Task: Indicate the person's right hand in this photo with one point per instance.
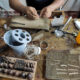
(31, 13)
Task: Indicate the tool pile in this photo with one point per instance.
(39, 37)
(17, 68)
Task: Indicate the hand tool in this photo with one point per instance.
(60, 32)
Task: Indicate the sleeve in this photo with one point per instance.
(5, 5)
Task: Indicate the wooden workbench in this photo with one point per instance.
(66, 43)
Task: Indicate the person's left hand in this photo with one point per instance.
(46, 12)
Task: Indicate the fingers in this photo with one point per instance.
(32, 13)
(45, 13)
(42, 13)
(30, 16)
(35, 14)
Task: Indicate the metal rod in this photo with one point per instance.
(67, 23)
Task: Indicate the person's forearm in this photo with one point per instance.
(16, 5)
(56, 4)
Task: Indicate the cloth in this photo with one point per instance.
(5, 4)
(71, 5)
(39, 4)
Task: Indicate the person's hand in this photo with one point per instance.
(31, 13)
(46, 12)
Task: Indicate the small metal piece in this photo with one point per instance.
(27, 65)
(24, 75)
(20, 65)
(59, 33)
(5, 65)
(11, 66)
(31, 65)
(12, 72)
(1, 65)
(28, 69)
(77, 23)
(31, 70)
(6, 27)
(29, 76)
(17, 74)
(6, 71)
